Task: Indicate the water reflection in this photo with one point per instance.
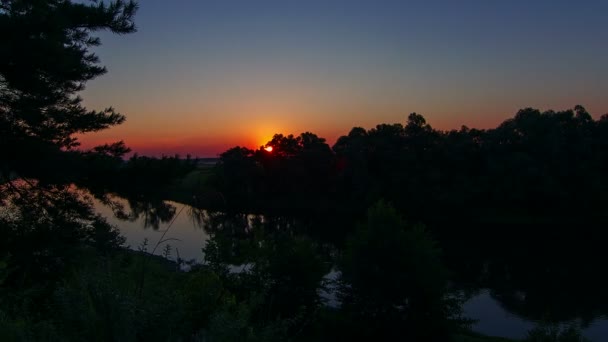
(492, 318)
(512, 286)
(152, 213)
(554, 278)
(186, 236)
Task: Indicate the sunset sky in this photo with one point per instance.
(202, 76)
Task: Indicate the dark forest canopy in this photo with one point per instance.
(536, 165)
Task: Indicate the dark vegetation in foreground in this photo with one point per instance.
(488, 200)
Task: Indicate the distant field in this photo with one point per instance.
(196, 178)
(206, 162)
(193, 183)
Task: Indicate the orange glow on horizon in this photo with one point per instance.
(208, 136)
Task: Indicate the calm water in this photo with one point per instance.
(495, 321)
(187, 236)
(184, 235)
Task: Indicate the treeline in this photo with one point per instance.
(137, 175)
(535, 167)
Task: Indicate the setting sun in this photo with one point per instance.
(268, 148)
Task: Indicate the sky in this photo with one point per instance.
(201, 76)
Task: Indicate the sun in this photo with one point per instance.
(268, 148)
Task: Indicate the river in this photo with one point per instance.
(187, 236)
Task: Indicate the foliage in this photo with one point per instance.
(44, 229)
(535, 167)
(266, 180)
(536, 174)
(44, 63)
(280, 272)
(393, 282)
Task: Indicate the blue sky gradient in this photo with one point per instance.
(201, 76)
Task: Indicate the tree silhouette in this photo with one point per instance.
(393, 283)
(44, 62)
